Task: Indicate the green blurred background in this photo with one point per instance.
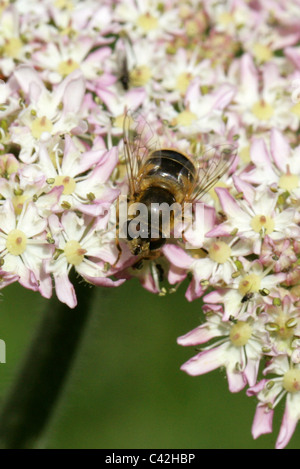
(125, 389)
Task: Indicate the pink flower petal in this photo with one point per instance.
(71, 92)
(263, 421)
(280, 150)
(223, 96)
(205, 361)
(65, 291)
(229, 204)
(293, 54)
(259, 153)
(246, 189)
(236, 380)
(176, 275)
(289, 421)
(194, 290)
(26, 76)
(199, 335)
(177, 256)
(104, 281)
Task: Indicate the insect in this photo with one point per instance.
(162, 177)
(247, 297)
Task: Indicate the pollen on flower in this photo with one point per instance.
(262, 52)
(219, 252)
(260, 222)
(185, 118)
(139, 76)
(40, 125)
(240, 333)
(67, 66)
(262, 110)
(74, 252)
(147, 22)
(249, 284)
(291, 380)
(288, 182)
(68, 182)
(16, 242)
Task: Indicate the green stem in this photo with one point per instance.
(33, 396)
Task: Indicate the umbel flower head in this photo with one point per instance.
(212, 73)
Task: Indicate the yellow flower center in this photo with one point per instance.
(139, 76)
(283, 326)
(147, 22)
(260, 222)
(18, 202)
(119, 121)
(8, 165)
(16, 242)
(262, 110)
(183, 81)
(291, 380)
(66, 67)
(249, 284)
(40, 125)
(74, 252)
(240, 333)
(225, 19)
(68, 182)
(192, 28)
(296, 109)
(185, 118)
(288, 182)
(219, 252)
(245, 154)
(184, 11)
(64, 4)
(212, 191)
(13, 47)
(262, 53)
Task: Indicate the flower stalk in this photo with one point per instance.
(38, 385)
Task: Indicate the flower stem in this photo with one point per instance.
(32, 398)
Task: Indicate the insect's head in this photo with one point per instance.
(142, 244)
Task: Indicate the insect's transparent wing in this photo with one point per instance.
(139, 141)
(214, 163)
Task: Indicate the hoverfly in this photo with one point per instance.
(163, 176)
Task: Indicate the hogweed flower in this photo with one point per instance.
(62, 103)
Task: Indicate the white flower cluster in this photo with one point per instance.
(201, 73)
